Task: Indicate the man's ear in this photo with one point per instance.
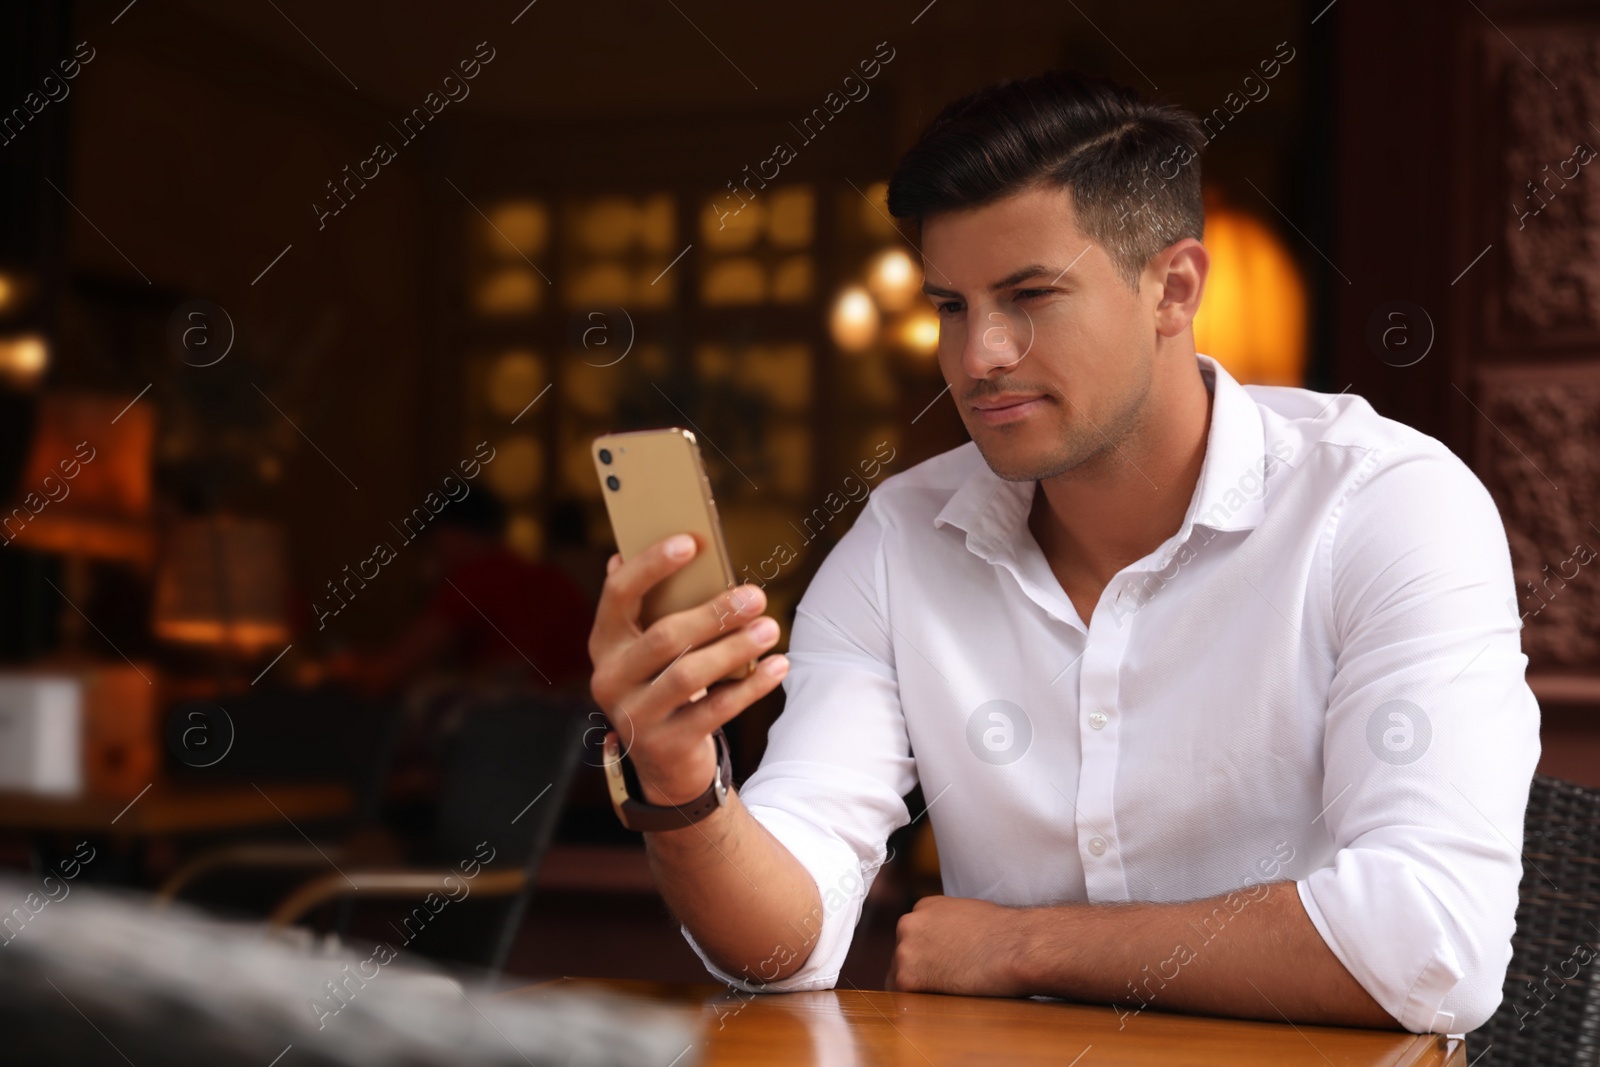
(1180, 273)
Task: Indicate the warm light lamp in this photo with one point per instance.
(854, 322)
(892, 278)
(1252, 318)
(23, 359)
(222, 584)
(919, 332)
(85, 492)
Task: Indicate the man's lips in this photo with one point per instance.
(1008, 407)
(1005, 400)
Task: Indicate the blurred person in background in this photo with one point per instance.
(567, 546)
(493, 615)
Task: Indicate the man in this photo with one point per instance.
(496, 614)
(1213, 691)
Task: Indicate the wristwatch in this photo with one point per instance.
(637, 815)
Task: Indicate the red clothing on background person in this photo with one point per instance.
(505, 610)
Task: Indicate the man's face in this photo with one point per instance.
(1047, 351)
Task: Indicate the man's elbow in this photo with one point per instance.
(768, 967)
(1478, 993)
(1475, 1011)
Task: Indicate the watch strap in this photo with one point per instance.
(647, 818)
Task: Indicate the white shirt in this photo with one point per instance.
(1228, 715)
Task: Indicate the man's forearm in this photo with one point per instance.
(1252, 953)
(748, 902)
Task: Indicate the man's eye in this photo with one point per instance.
(1027, 294)
(948, 307)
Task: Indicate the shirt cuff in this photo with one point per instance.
(841, 887)
(1382, 925)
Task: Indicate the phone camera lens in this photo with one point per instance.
(612, 482)
(605, 457)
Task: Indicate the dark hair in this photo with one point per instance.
(1133, 167)
(479, 511)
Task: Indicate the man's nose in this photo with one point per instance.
(995, 343)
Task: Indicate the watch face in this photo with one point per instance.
(615, 782)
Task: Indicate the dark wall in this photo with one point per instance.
(196, 158)
(1438, 224)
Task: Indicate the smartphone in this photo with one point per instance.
(655, 486)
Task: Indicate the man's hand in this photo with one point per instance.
(653, 683)
(1252, 953)
(957, 945)
(737, 889)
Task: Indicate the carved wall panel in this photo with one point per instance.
(1545, 139)
(1538, 451)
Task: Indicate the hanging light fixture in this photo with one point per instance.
(919, 332)
(23, 359)
(854, 321)
(892, 278)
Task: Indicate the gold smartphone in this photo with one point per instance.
(655, 486)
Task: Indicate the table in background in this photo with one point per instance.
(838, 1028)
(131, 827)
(173, 809)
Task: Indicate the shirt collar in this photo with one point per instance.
(1230, 494)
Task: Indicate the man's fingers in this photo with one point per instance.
(692, 671)
(668, 667)
(700, 626)
(726, 703)
(627, 583)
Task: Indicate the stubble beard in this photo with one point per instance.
(1079, 447)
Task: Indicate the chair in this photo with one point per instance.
(321, 734)
(506, 777)
(1550, 1013)
(324, 734)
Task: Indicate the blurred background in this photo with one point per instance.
(309, 312)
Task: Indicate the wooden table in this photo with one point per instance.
(845, 1027)
(171, 809)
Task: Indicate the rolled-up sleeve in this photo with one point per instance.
(1431, 739)
(838, 761)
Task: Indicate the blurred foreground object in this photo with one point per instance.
(95, 978)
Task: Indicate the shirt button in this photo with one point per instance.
(1097, 845)
(1097, 720)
